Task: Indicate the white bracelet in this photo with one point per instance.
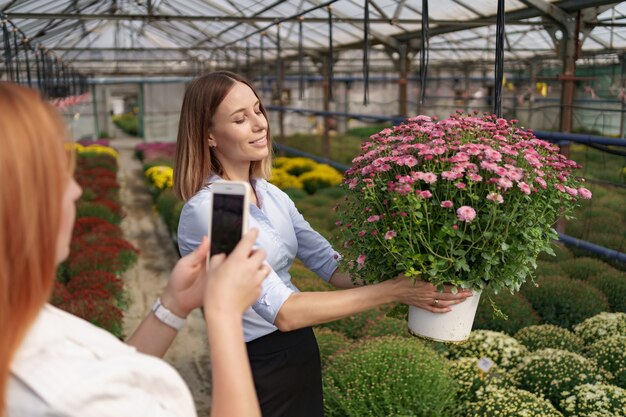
(167, 317)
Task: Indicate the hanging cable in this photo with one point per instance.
(37, 65)
(248, 72)
(8, 59)
(279, 77)
(262, 59)
(366, 52)
(424, 53)
(26, 49)
(300, 60)
(499, 64)
(330, 54)
(17, 58)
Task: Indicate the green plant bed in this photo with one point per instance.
(364, 132)
(296, 194)
(551, 372)
(511, 402)
(610, 354)
(335, 193)
(613, 284)
(549, 269)
(549, 336)
(471, 379)
(343, 148)
(564, 302)
(388, 376)
(318, 200)
(169, 207)
(89, 209)
(584, 268)
(517, 309)
(128, 122)
(561, 253)
(330, 342)
(595, 400)
(601, 326)
(354, 326)
(386, 326)
(500, 348)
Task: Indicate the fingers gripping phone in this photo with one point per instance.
(228, 215)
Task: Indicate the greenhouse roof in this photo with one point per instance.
(177, 37)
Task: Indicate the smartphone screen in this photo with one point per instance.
(226, 222)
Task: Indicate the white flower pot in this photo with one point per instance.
(453, 326)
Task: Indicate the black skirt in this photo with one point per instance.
(287, 373)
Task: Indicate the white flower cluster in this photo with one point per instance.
(549, 336)
(601, 326)
(598, 400)
(501, 348)
(610, 353)
(551, 371)
(470, 379)
(511, 402)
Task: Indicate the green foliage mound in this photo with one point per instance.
(565, 302)
(549, 269)
(549, 336)
(610, 353)
(90, 209)
(471, 380)
(612, 283)
(550, 372)
(511, 402)
(601, 326)
(595, 400)
(388, 376)
(353, 326)
(561, 253)
(584, 268)
(500, 348)
(517, 309)
(330, 342)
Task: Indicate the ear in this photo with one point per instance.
(211, 141)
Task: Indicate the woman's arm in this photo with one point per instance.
(311, 308)
(233, 285)
(184, 292)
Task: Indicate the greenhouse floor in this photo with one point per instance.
(144, 228)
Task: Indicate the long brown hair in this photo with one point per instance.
(194, 159)
(34, 173)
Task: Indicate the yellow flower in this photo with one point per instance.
(282, 179)
(161, 176)
(98, 149)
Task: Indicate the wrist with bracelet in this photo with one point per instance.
(165, 316)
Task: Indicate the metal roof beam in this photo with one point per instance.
(376, 34)
(511, 18)
(550, 10)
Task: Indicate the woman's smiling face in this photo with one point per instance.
(238, 135)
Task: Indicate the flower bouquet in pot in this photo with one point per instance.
(465, 201)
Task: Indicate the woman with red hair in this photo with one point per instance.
(52, 363)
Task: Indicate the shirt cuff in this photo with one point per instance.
(274, 293)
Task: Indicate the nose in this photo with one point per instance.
(259, 122)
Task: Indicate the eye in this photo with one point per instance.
(240, 121)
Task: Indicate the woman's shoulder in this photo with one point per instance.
(271, 189)
(67, 363)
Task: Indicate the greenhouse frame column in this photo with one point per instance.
(140, 119)
(95, 111)
(403, 68)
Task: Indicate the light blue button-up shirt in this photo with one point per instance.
(283, 234)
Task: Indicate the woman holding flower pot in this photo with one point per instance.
(53, 363)
(224, 134)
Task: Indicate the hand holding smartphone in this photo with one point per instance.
(228, 215)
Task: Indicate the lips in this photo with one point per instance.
(258, 140)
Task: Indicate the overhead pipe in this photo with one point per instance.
(592, 247)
